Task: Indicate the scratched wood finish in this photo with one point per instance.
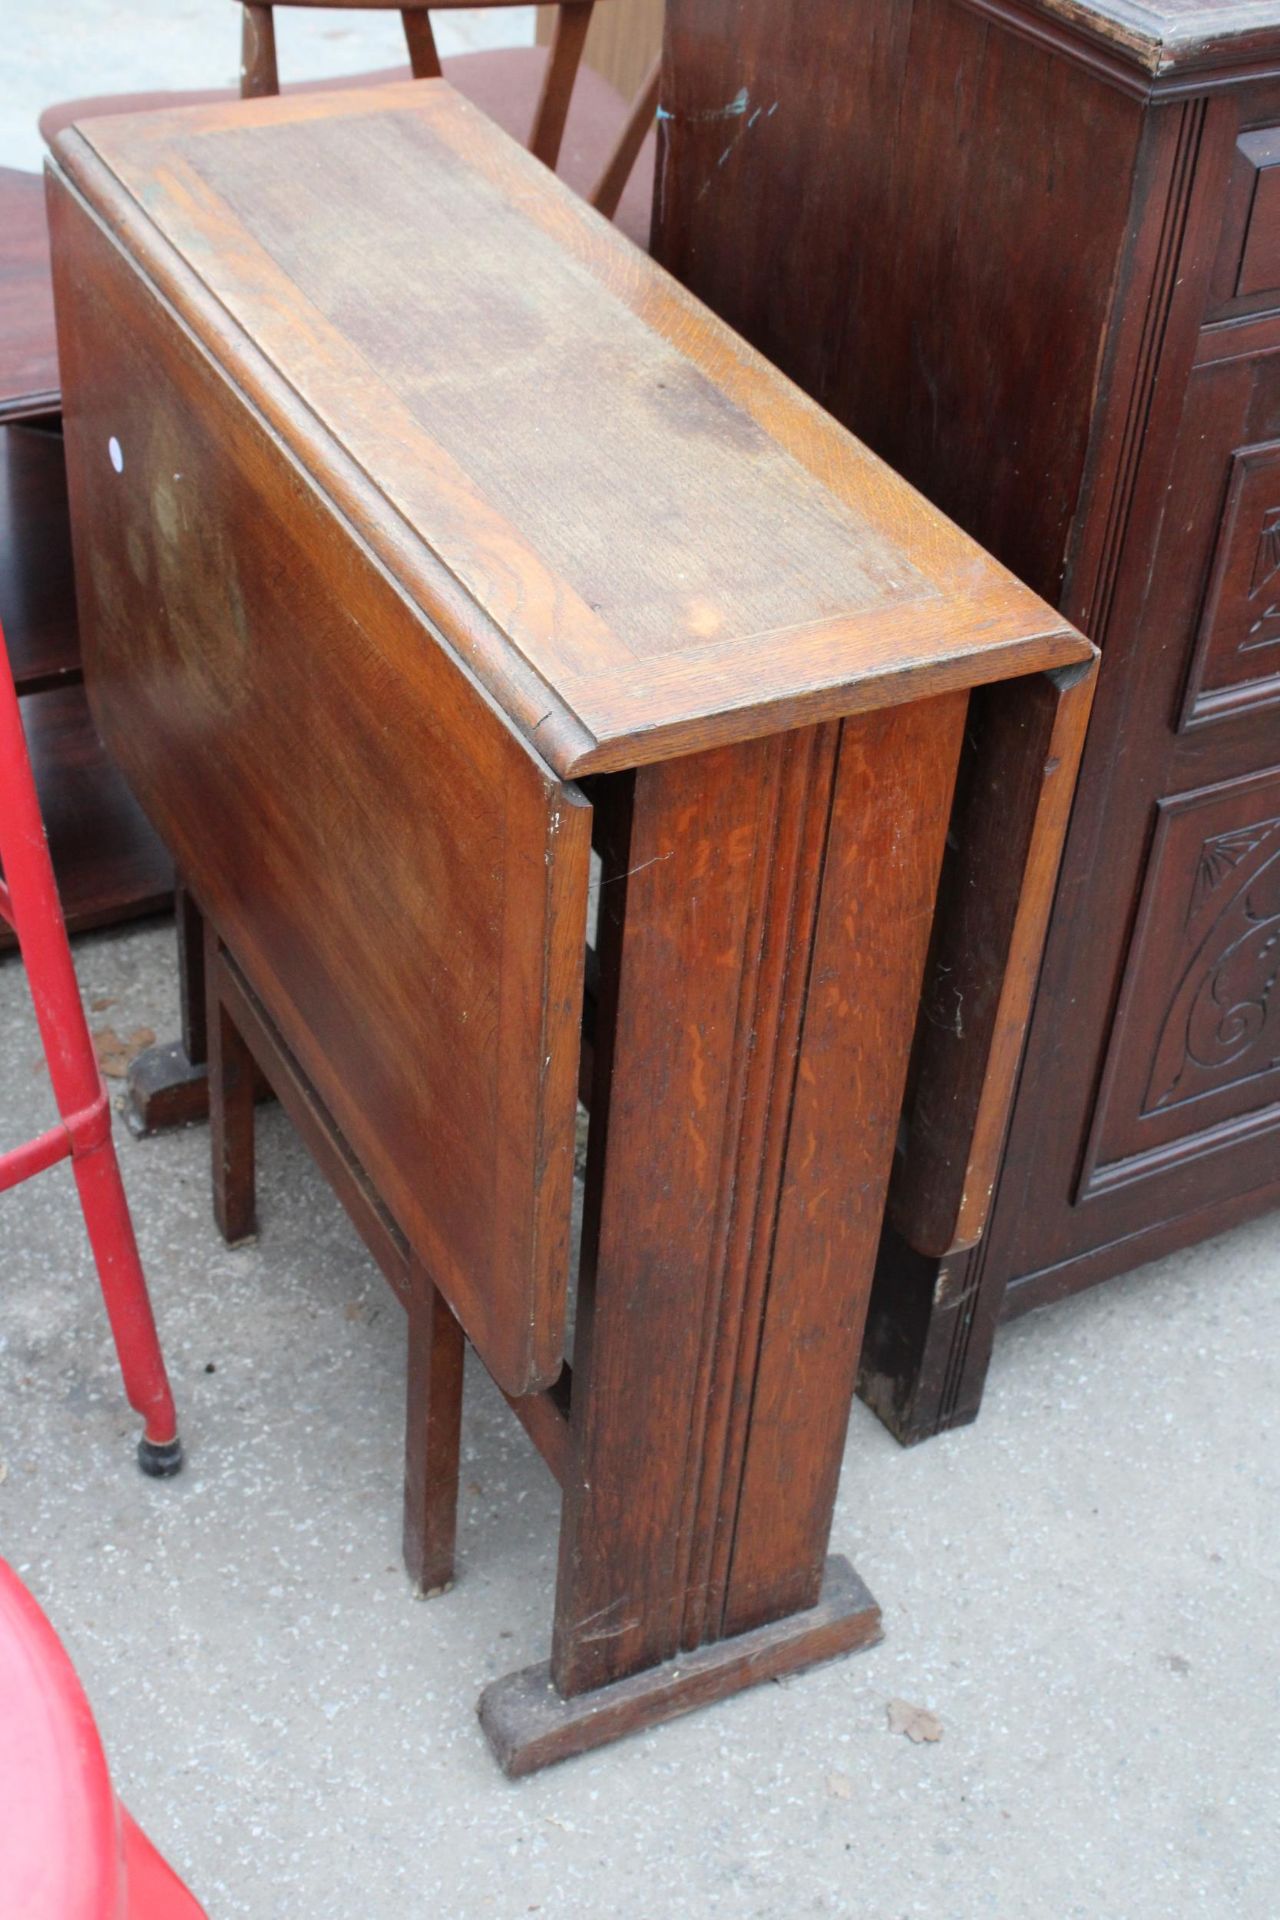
(815, 179)
(694, 488)
(384, 536)
(1037, 265)
(1151, 45)
(422, 873)
(530, 1724)
(764, 915)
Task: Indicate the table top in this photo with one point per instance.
(28, 347)
(637, 534)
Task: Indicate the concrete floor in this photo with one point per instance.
(1083, 1587)
(70, 49)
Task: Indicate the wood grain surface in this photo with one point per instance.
(108, 860)
(642, 539)
(1036, 263)
(404, 490)
(403, 881)
(37, 590)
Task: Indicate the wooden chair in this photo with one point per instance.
(564, 113)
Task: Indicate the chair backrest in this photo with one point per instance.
(259, 74)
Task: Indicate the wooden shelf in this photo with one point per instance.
(110, 864)
(37, 592)
(28, 345)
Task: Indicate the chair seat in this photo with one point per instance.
(71, 1851)
(504, 84)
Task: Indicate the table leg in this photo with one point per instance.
(765, 912)
(433, 1419)
(231, 1100)
(936, 1298)
(247, 1053)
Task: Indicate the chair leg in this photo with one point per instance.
(29, 898)
(433, 1418)
(124, 1290)
(231, 1098)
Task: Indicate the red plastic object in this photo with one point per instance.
(29, 902)
(68, 1849)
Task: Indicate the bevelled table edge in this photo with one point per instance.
(552, 731)
(572, 733)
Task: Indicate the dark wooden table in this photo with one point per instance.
(108, 861)
(1030, 252)
(426, 534)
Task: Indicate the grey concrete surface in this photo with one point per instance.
(68, 49)
(1083, 1587)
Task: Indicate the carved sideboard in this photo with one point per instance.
(1031, 254)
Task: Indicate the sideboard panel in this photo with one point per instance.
(1196, 1047)
(1035, 263)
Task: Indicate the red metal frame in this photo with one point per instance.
(29, 903)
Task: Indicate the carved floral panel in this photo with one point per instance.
(1196, 1042)
(1222, 1022)
(1237, 655)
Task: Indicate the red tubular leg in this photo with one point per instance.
(124, 1289)
(32, 902)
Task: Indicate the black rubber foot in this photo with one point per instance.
(160, 1459)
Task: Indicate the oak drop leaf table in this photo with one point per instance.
(426, 535)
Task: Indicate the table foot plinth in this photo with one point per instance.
(530, 1724)
(165, 1089)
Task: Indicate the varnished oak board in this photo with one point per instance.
(402, 878)
(636, 535)
(404, 491)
